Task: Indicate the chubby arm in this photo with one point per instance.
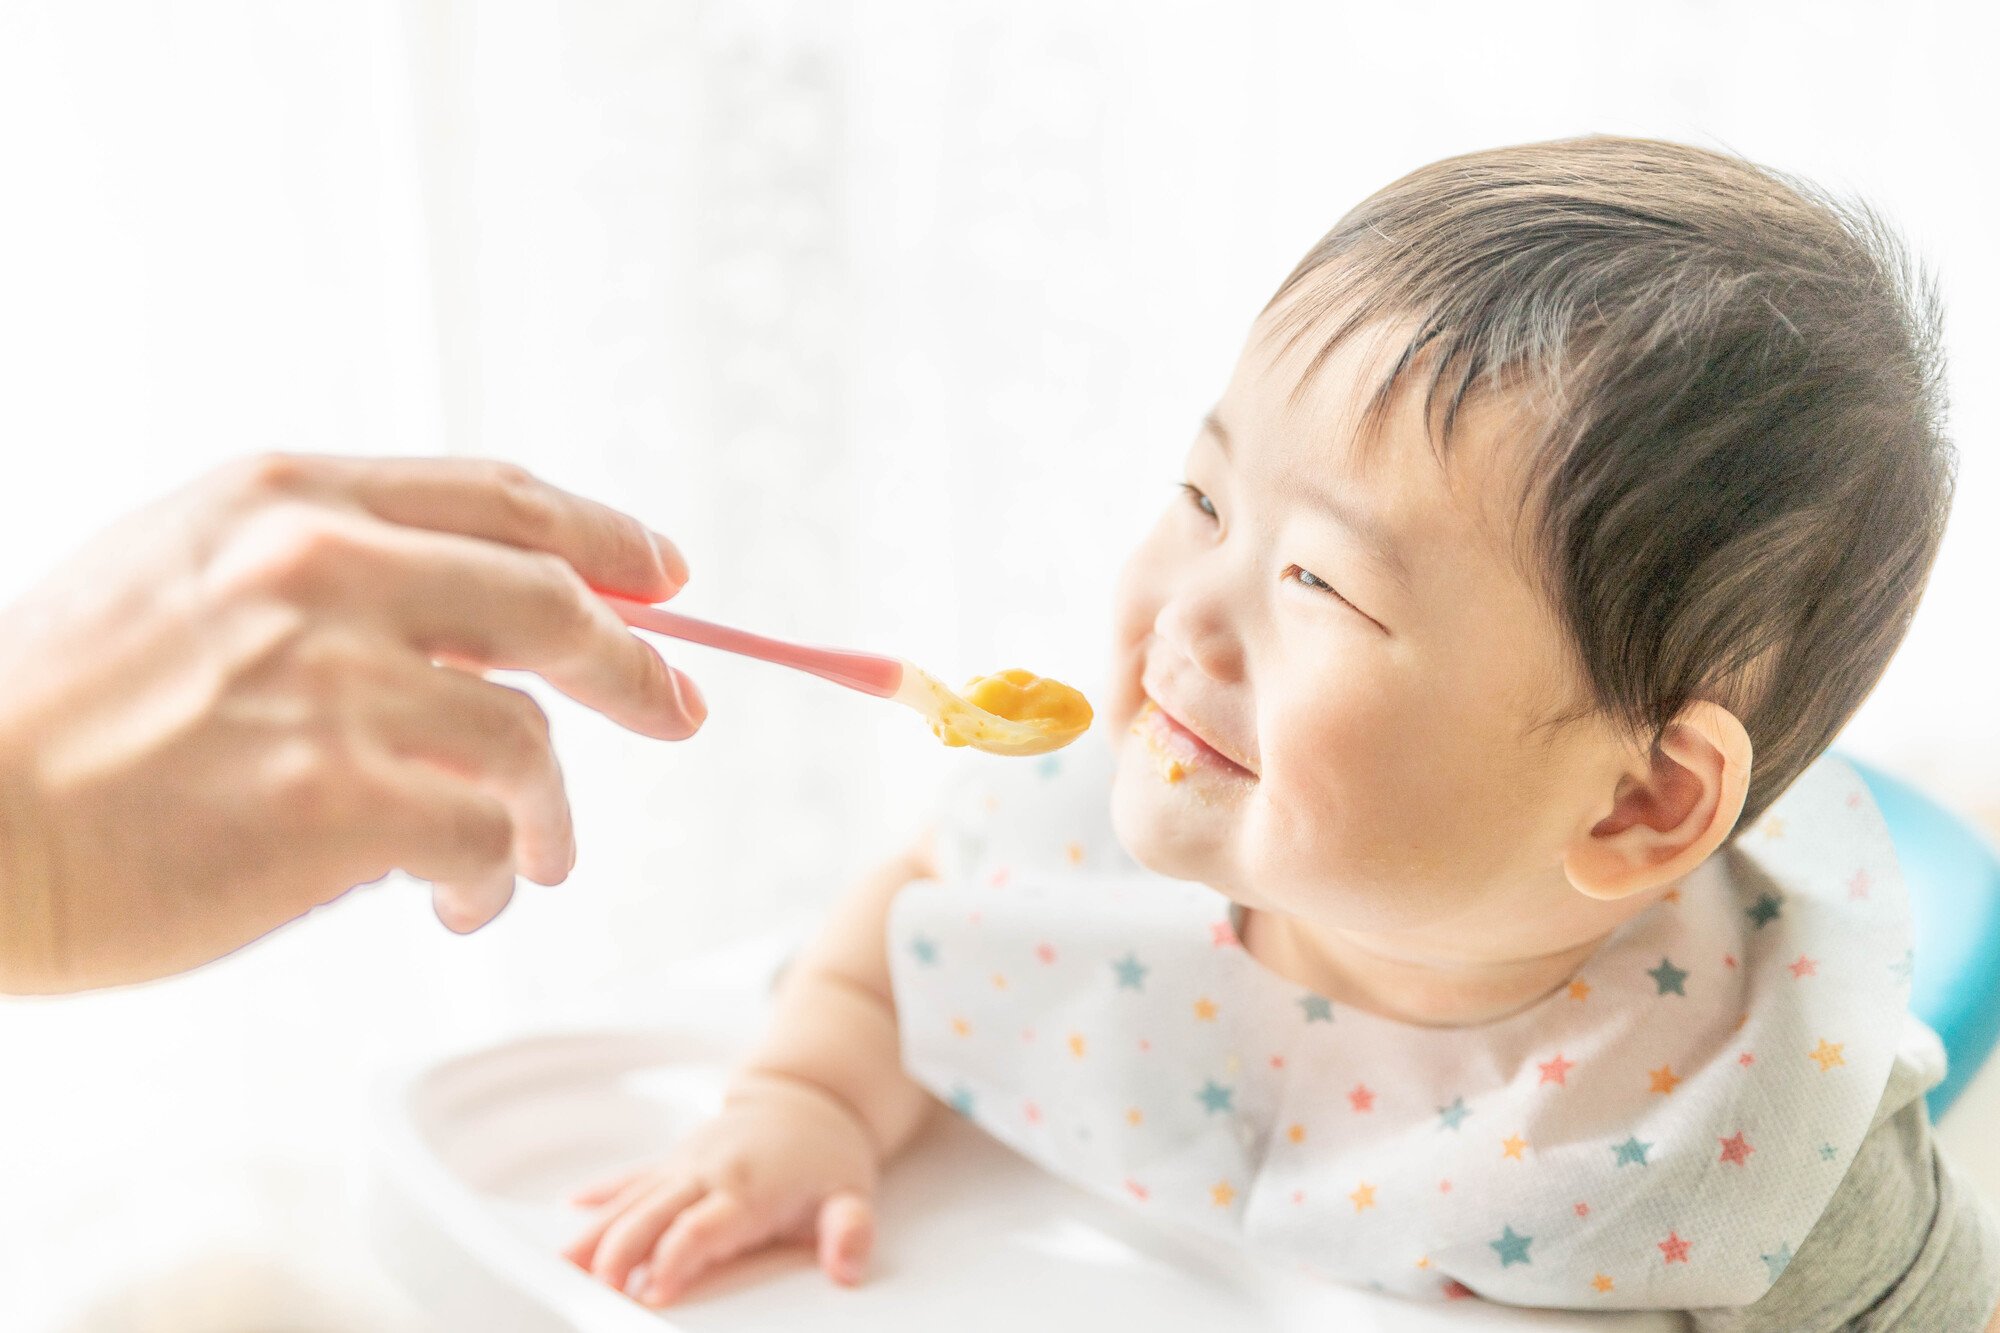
(809, 1120)
(834, 1029)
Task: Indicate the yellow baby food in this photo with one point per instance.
(1012, 712)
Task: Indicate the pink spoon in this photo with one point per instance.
(884, 677)
(867, 672)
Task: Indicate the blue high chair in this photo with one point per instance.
(1953, 878)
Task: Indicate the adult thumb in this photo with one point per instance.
(846, 1236)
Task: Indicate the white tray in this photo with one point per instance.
(473, 1157)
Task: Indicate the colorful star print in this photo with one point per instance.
(1048, 766)
(1116, 1055)
(1777, 1262)
(1631, 1151)
(1511, 1248)
(1215, 1097)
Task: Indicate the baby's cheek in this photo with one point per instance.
(1363, 798)
(1135, 606)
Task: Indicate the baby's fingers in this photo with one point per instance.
(846, 1237)
(632, 1230)
(712, 1232)
(604, 1191)
(584, 1248)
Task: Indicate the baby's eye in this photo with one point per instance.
(1308, 579)
(1199, 500)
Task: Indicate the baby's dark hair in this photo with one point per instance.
(1739, 479)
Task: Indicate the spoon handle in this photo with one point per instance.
(867, 672)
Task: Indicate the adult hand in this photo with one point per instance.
(264, 690)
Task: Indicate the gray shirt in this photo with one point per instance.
(1905, 1243)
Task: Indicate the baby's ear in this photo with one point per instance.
(1670, 809)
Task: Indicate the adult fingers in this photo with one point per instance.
(494, 735)
(469, 600)
(498, 502)
(435, 826)
(464, 906)
(846, 1236)
(711, 1232)
(632, 1233)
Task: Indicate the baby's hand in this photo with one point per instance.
(782, 1161)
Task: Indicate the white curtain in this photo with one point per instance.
(896, 315)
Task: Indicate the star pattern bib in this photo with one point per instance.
(1661, 1132)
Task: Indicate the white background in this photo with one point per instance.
(897, 315)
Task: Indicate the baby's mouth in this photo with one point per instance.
(1177, 749)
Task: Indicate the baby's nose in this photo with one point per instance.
(1198, 624)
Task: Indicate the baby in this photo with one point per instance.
(1431, 925)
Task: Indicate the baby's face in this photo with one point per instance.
(1348, 649)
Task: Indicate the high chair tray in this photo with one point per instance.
(472, 1159)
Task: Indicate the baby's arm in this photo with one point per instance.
(834, 1030)
(811, 1117)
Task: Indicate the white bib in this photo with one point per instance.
(1659, 1133)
